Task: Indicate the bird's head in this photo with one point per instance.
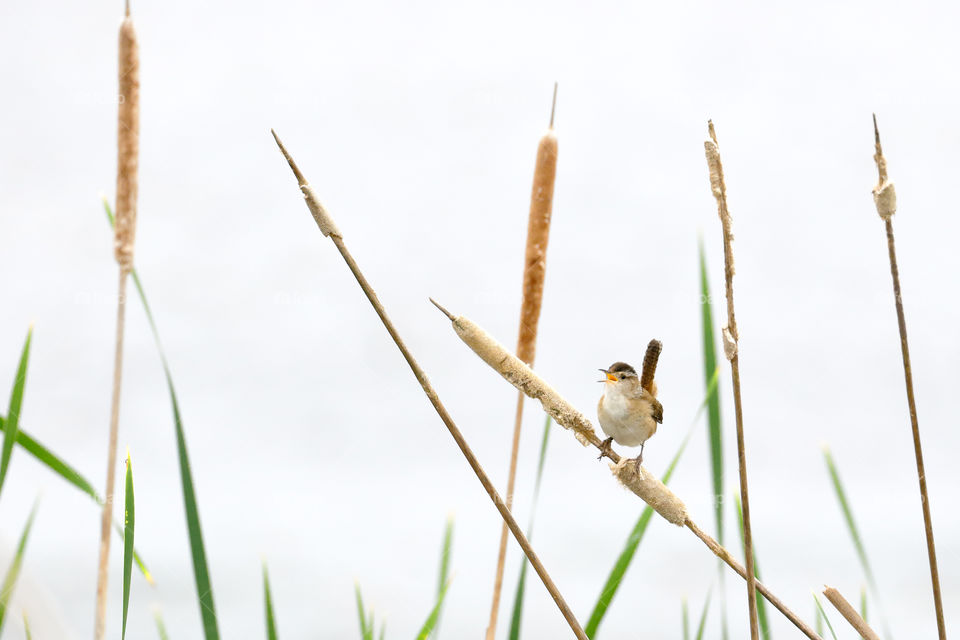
(621, 375)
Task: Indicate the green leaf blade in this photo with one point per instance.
(128, 532)
(13, 412)
(268, 606)
(13, 572)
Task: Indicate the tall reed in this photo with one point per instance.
(885, 198)
(329, 229)
(730, 348)
(534, 273)
(128, 149)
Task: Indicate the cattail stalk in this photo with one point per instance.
(329, 229)
(639, 481)
(128, 148)
(730, 339)
(885, 198)
(847, 611)
(534, 273)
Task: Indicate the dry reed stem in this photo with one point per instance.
(642, 483)
(534, 274)
(440, 409)
(128, 151)
(885, 198)
(724, 555)
(731, 350)
(847, 611)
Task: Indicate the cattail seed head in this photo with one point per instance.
(650, 490)
(517, 373)
(538, 234)
(128, 143)
(884, 195)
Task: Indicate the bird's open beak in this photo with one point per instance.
(609, 376)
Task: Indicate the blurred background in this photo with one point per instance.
(312, 445)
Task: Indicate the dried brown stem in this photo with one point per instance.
(642, 483)
(848, 612)
(885, 199)
(730, 338)
(106, 518)
(534, 274)
(447, 420)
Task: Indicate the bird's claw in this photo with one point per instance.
(605, 449)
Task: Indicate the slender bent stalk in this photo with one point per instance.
(328, 228)
(886, 200)
(534, 271)
(730, 338)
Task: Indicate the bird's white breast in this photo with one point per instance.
(627, 420)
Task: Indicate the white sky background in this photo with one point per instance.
(312, 445)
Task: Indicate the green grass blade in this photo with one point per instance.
(713, 399)
(863, 603)
(444, 576)
(715, 430)
(366, 633)
(516, 617)
(630, 548)
(431, 620)
(848, 516)
(128, 529)
(818, 622)
(761, 601)
(201, 572)
(13, 412)
(686, 620)
(74, 477)
(161, 628)
(54, 463)
(268, 606)
(26, 627)
(823, 614)
(13, 572)
(703, 615)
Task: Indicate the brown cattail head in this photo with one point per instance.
(650, 366)
(538, 233)
(128, 143)
(884, 195)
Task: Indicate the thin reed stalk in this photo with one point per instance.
(534, 273)
(847, 611)
(885, 199)
(730, 338)
(641, 482)
(329, 229)
(128, 147)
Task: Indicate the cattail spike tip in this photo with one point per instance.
(445, 312)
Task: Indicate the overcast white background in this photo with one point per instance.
(312, 445)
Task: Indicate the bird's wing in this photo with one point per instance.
(657, 411)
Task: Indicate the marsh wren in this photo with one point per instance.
(628, 409)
